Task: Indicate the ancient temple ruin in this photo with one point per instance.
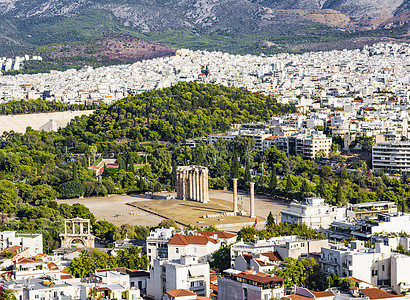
(192, 183)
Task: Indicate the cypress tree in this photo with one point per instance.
(75, 172)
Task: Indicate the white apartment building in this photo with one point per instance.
(374, 266)
(258, 135)
(313, 145)
(184, 273)
(313, 212)
(309, 144)
(34, 242)
(157, 243)
(250, 285)
(391, 156)
(195, 245)
(259, 262)
(400, 275)
(285, 246)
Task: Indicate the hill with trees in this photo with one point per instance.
(147, 136)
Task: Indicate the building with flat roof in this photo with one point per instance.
(391, 156)
(313, 212)
(32, 241)
(250, 285)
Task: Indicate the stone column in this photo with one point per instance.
(191, 185)
(89, 227)
(177, 186)
(206, 195)
(65, 226)
(252, 204)
(198, 190)
(184, 185)
(235, 195)
(73, 226)
(201, 186)
(81, 228)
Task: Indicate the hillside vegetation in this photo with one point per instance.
(186, 110)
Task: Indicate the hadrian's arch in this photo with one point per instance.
(77, 234)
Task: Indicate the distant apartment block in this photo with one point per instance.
(391, 156)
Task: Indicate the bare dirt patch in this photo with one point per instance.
(116, 210)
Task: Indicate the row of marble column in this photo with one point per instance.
(252, 197)
(81, 223)
(192, 185)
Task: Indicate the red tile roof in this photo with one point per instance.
(180, 239)
(263, 263)
(273, 256)
(25, 261)
(322, 294)
(220, 234)
(247, 257)
(180, 293)
(375, 293)
(259, 277)
(298, 297)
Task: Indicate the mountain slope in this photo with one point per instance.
(41, 22)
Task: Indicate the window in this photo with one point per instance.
(176, 250)
(383, 268)
(245, 294)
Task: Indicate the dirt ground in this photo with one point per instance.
(115, 209)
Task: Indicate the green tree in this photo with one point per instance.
(270, 220)
(104, 230)
(72, 189)
(273, 183)
(8, 294)
(168, 223)
(221, 259)
(75, 172)
(346, 282)
(247, 234)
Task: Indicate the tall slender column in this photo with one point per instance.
(73, 225)
(201, 186)
(89, 227)
(81, 228)
(252, 204)
(206, 186)
(184, 185)
(191, 184)
(65, 226)
(235, 195)
(177, 185)
(198, 198)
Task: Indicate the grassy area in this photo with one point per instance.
(191, 212)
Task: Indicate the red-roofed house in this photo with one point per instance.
(183, 294)
(376, 294)
(259, 262)
(305, 294)
(250, 285)
(196, 245)
(225, 238)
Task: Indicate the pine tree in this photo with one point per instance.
(289, 185)
(339, 194)
(235, 165)
(273, 180)
(75, 172)
(174, 174)
(247, 173)
(270, 220)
